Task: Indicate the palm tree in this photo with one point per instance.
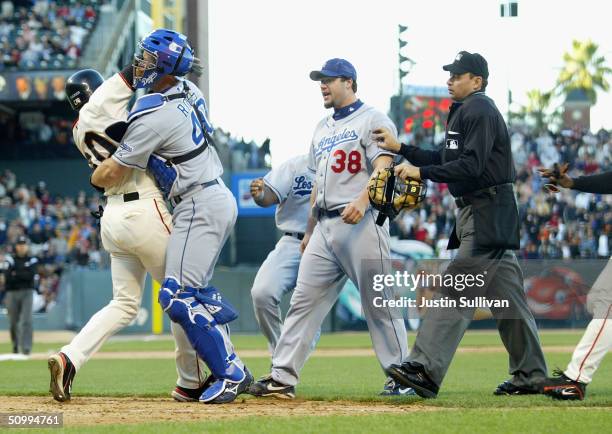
(584, 69)
(537, 105)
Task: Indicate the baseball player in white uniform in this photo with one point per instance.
(135, 228)
(571, 384)
(289, 185)
(168, 133)
(342, 237)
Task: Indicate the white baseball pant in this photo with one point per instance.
(136, 235)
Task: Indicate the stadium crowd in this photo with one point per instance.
(44, 34)
(61, 230)
(563, 225)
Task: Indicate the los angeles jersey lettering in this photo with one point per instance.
(292, 184)
(342, 153)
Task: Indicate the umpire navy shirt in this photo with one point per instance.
(599, 184)
(21, 272)
(476, 153)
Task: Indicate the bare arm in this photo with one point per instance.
(262, 194)
(354, 211)
(109, 173)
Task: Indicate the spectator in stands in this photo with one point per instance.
(48, 32)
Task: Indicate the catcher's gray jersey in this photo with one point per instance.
(292, 184)
(342, 153)
(171, 131)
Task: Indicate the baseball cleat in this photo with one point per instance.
(507, 388)
(412, 374)
(62, 374)
(564, 388)
(392, 388)
(224, 391)
(184, 394)
(267, 386)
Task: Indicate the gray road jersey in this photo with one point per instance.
(172, 131)
(292, 184)
(342, 153)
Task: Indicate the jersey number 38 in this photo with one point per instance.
(341, 163)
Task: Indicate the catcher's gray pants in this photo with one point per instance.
(337, 249)
(202, 222)
(19, 307)
(441, 329)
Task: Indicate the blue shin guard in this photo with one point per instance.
(201, 329)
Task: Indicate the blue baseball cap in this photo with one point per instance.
(335, 68)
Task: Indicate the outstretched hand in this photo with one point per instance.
(557, 175)
(386, 140)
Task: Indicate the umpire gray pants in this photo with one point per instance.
(442, 329)
(19, 306)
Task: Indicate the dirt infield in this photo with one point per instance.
(95, 410)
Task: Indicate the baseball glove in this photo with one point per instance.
(390, 195)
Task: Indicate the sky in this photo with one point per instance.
(261, 53)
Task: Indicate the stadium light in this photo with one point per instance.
(508, 9)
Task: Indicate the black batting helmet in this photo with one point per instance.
(81, 85)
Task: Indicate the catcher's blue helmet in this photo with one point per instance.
(169, 53)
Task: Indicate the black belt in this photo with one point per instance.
(298, 235)
(128, 197)
(175, 200)
(330, 214)
(188, 156)
(468, 199)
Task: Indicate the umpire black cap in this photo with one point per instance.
(468, 62)
(81, 85)
(22, 239)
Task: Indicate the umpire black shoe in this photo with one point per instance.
(412, 374)
(508, 388)
(62, 374)
(267, 386)
(563, 387)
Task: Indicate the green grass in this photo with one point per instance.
(465, 421)
(335, 340)
(465, 402)
(469, 383)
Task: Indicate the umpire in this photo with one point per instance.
(20, 277)
(476, 162)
